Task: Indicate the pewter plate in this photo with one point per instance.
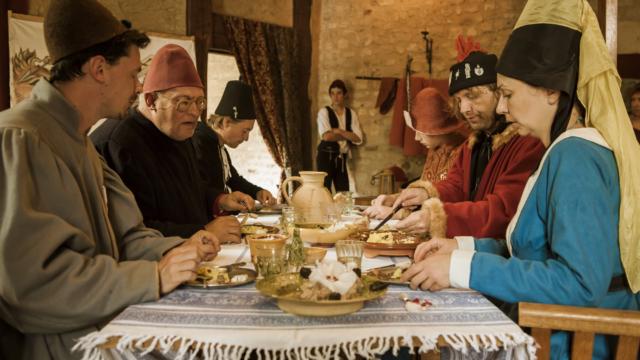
(212, 284)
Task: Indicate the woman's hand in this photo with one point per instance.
(435, 246)
(430, 274)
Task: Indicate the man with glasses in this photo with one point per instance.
(151, 149)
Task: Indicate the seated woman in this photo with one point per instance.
(437, 130)
(575, 234)
(231, 124)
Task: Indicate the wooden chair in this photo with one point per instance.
(585, 323)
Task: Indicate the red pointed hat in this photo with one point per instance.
(431, 113)
(171, 67)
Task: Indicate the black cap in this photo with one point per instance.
(237, 101)
(477, 68)
(545, 55)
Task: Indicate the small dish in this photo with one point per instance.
(313, 255)
(324, 238)
(274, 209)
(388, 275)
(251, 229)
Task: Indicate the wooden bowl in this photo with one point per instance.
(313, 255)
(318, 237)
(292, 304)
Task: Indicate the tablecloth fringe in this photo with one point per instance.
(367, 348)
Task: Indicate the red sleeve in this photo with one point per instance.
(490, 216)
(451, 189)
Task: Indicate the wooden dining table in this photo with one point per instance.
(239, 322)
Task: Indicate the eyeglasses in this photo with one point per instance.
(183, 104)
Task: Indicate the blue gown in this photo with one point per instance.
(565, 242)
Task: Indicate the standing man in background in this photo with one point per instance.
(339, 128)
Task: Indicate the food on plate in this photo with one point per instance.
(257, 229)
(391, 273)
(328, 280)
(218, 275)
(386, 237)
(381, 237)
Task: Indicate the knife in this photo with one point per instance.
(401, 265)
(393, 212)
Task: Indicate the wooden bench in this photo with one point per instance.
(584, 323)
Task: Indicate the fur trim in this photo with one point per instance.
(437, 217)
(504, 137)
(431, 190)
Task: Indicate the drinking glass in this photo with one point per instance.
(288, 219)
(349, 252)
(270, 260)
(346, 197)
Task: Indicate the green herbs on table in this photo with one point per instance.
(295, 250)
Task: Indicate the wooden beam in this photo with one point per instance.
(4, 56)
(200, 24)
(608, 20)
(302, 30)
(16, 6)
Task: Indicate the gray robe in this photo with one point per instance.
(73, 249)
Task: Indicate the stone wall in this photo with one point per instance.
(278, 12)
(374, 37)
(628, 26)
(165, 16)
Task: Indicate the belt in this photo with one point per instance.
(619, 283)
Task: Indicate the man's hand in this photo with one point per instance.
(386, 200)
(236, 201)
(434, 246)
(418, 222)
(265, 197)
(226, 229)
(411, 197)
(180, 263)
(377, 211)
(431, 273)
(207, 244)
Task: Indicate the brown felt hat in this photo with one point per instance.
(71, 26)
(171, 67)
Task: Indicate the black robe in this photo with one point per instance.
(162, 174)
(206, 143)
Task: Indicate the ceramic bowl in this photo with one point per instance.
(313, 255)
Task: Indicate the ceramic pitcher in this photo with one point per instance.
(312, 199)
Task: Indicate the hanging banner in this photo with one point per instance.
(29, 59)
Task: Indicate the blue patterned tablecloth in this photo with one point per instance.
(237, 322)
